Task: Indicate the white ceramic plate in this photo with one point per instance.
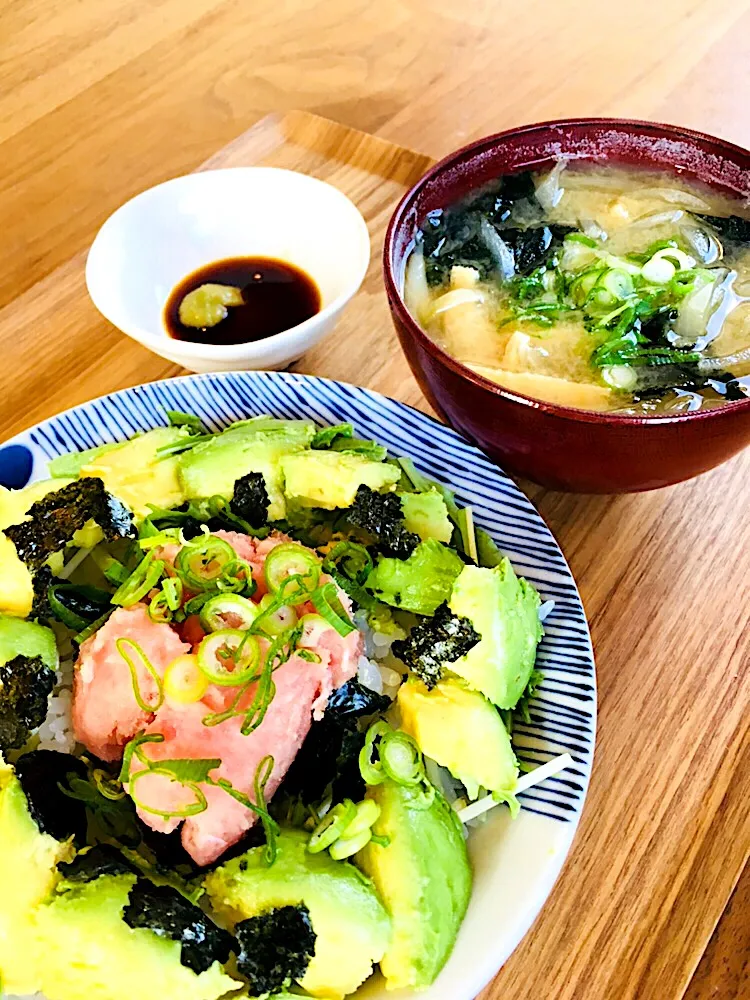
(516, 861)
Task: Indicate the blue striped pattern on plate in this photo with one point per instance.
(562, 714)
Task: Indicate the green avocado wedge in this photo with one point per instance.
(351, 925)
(424, 878)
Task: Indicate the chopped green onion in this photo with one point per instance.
(368, 813)
(291, 559)
(201, 564)
(199, 805)
(401, 758)
(158, 610)
(332, 826)
(121, 645)
(229, 657)
(326, 602)
(351, 558)
(61, 612)
(345, 847)
(372, 771)
(228, 611)
(112, 568)
(144, 578)
(87, 632)
(276, 620)
(172, 587)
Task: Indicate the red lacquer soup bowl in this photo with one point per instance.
(564, 448)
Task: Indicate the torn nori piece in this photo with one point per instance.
(40, 607)
(41, 773)
(275, 948)
(26, 683)
(100, 860)
(161, 909)
(53, 520)
(382, 515)
(435, 641)
(330, 752)
(533, 247)
(250, 500)
(732, 228)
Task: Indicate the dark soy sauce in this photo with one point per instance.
(276, 296)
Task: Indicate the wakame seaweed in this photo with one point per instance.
(26, 683)
(163, 910)
(275, 948)
(52, 521)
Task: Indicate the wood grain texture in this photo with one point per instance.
(99, 99)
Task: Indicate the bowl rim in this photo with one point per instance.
(251, 348)
(398, 305)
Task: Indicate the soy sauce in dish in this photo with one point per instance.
(258, 297)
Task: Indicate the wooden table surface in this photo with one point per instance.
(101, 98)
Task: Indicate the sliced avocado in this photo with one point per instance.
(420, 583)
(504, 611)
(351, 925)
(16, 583)
(70, 465)
(28, 860)
(330, 479)
(424, 878)
(137, 475)
(20, 638)
(212, 467)
(427, 515)
(90, 951)
(463, 731)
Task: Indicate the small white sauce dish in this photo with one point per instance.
(162, 235)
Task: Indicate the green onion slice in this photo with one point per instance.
(332, 826)
(122, 645)
(144, 577)
(345, 847)
(401, 758)
(372, 771)
(229, 657)
(326, 602)
(368, 813)
(172, 587)
(199, 805)
(228, 611)
(275, 619)
(291, 559)
(202, 563)
(159, 610)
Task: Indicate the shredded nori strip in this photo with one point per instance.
(382, 515)
(161, 909)
(40, 607)
(53, 520)
(436, 641)
(275, 948)
(43, 774)
(100, 860)
(26, 683)
(250, 500)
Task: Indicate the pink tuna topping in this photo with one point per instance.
(107, 715)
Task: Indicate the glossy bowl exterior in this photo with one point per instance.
(560, 447)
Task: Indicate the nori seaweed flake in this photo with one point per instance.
(275, 948)
(250, 500)
(41, 774)
(162, 910)
(53, 520)
(382, 515)
(26, 683)
(436, 641)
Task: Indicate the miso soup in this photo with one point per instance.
(594, 287)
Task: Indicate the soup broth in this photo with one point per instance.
(594, 287)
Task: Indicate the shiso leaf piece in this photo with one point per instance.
(43, 774)
(26, 683)
(381, 515)
(163, 910)
(100, 860)
(53, 520)
(434, 642)
(275, 948)
(250, 500)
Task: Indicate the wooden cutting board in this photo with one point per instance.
(665, 579)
